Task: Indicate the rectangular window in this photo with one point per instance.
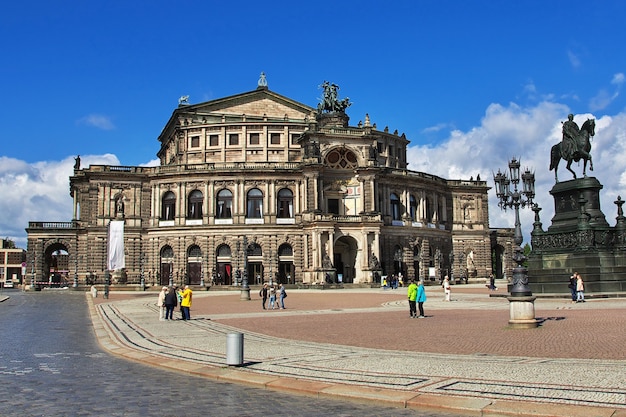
(294, 138)
(333, 206)
(275, 138)
(214, 140)
(233, 139)
(255, 138)
(195, 141)
(380, 147)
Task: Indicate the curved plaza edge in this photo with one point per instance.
(482, 384)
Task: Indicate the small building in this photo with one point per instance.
(12, 264)
(259, 184)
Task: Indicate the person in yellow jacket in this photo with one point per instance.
(185, 304)
(412, 294)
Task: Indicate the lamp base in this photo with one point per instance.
(245, 294)
(522, 312)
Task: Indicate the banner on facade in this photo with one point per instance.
(116, 245)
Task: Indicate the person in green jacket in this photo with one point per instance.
(412, 294)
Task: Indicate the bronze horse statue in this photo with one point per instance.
(576, 151)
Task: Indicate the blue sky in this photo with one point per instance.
(471, 84)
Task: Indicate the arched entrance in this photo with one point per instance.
(286, 269)
(345, 259)
(167, 266)
(254, 255)
(224, 274)
(499, 266)
(194, 265)
(56, 264)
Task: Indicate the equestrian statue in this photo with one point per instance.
(575, 146)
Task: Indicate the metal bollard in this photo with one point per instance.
(234, 349)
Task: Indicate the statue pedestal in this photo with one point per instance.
(522, 312)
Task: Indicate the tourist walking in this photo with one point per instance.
(572, 286)
(171, 301)
(272, 292)
(161, 303)
(580, 288)
(492, 282)
(411, 292)
(185, 304)
(283, 294)
(263, 294)
(446, 288)
(421, 299)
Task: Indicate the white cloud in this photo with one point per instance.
(604, 98)
(436, 128)
(38, 192)
(97, 120)
(152, 163)
(574, 60)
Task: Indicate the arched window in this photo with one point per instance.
(255, 204)
(341, 158)
(413, 208)
(167, 253)
(168, 206)
(254, 249)
(194, 251)
(395, 207)
(223, 250)
(224, 204)
(194, 205)
(285, 250)
(285, 203)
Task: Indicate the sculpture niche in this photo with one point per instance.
(575, 145)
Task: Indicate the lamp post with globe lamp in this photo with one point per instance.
(521, 300)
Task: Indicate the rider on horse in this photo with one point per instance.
(570, 138)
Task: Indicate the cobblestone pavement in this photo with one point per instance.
(361, 344)
(52, 365)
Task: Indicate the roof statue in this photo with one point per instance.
(575, 145)
(330, 102)
(183, 100)
(262, 81)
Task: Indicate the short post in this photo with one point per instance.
(234, 349)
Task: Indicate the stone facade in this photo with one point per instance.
(261, 184)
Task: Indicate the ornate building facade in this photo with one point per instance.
(260, 184)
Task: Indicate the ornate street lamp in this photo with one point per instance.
(521, 299)
(514, 199)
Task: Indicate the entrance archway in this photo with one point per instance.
(498, 262)
(286, 269)
(194, 265)
(56, 264)
(346, 248)
(224, 275)
(167, 265)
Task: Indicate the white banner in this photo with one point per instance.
(116, 245)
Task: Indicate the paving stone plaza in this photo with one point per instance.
(361, 345)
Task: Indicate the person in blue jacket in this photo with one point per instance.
(421, 299)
